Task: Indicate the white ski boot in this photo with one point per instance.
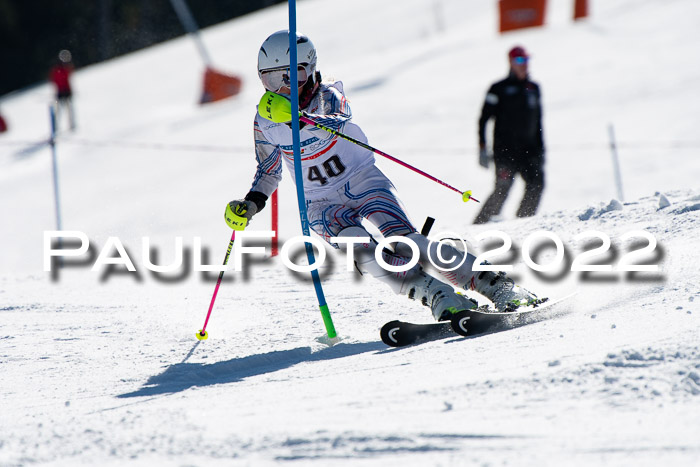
(502, 291)
(440, 297)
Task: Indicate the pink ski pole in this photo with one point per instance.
(466, 195)
(237, 222)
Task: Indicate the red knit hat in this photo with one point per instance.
(517, 51)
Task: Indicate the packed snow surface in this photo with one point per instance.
(102, 367)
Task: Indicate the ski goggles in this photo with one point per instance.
(275, 79)
(521, 60)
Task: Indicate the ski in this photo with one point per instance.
(400, 333)
(465, 323)
(482, 319)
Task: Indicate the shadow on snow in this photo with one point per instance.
(182, 376)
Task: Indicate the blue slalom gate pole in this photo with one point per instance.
(327, 320)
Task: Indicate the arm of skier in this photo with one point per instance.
(267, 175)
(539, 122)
(334, 110)
(487, 111)
(269, 170)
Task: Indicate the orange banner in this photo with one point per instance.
(517, 14)
(580, 9)
(218, 86)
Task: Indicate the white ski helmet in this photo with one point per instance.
(274, 55)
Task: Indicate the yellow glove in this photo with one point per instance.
(275, 107)
(239, 212)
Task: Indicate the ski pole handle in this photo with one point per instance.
(236, 219)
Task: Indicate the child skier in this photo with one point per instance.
(342, 186)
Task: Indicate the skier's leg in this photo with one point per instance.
(327, 220)
(71, 113)
(366, 262)
(494, 204)
(533, 175)
(452, 264)
(337, 220)
(414, 283)
(457, 268)
(372, 195)
(57, 112)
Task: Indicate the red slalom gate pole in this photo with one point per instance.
(275, 224)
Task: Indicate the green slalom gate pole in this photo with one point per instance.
(325, 312)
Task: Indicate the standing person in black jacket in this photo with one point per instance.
(518, 145)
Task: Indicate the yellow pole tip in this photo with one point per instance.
(202, 335)
(467, 195)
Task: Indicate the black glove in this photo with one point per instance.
(484, 157)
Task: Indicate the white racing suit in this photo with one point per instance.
(342, 186)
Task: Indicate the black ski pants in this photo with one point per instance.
(532, 173)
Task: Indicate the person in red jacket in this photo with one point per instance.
(3, 124)
(60, 77)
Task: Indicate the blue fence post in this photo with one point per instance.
(52, 144)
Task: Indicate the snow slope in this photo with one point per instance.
(102, 368)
